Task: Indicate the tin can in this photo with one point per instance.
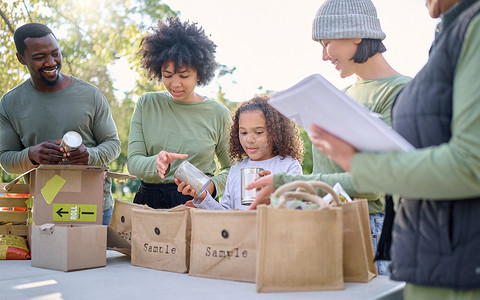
(248, 176)
(190, 174)
(71, 141)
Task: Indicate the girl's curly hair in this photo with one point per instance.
(184, 44)
(282, 133)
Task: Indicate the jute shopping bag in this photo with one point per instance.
(224, 244)
(299, 249)
(358, 262)
(119, 232)
(358, 257)
(161, 239)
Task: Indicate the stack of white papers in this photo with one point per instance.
(314, 100)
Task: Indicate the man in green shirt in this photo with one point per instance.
(36, 114)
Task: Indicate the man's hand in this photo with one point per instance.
(77, 157)
(46, 153)
(164, 159)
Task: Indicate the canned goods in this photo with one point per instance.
(71, 141)
(190, 174)
(248, 176)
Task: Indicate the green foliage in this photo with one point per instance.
(307, 164)
(93, 36)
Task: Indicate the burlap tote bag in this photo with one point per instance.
(299, 249)
(224, 244)
(161, 239)
(358, 256)
(119, 232)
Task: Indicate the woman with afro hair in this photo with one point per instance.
(178, 124)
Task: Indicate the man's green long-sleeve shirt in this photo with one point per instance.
(29, 117)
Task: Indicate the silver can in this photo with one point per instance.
(248, 176)
(71, 141)
(190, 174)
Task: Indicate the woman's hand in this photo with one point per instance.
(264, 173)
(164, 159)
(264, 186)
(336, 149)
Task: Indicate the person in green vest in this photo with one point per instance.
(436, 229)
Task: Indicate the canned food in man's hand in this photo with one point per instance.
(71, 141)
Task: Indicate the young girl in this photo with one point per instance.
(261, 137)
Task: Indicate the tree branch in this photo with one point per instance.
(4, 17)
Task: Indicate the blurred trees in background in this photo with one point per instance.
(93, 36)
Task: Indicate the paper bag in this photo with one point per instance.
(224, 244)
(119, 232)
(161, 239)
(299, 249)
(358, 257)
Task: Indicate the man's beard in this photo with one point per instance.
(52, 83)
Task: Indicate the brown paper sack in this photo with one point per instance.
(299, 250)
(224, 244)
(119, 232)
(358, 263)
(161, 239)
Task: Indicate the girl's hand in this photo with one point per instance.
(186, 189)
(264, 186)
(336, 149)
(189, 203)
(164, 159)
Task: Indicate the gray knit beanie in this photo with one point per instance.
(345, 19)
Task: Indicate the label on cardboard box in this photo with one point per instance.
(74, 212)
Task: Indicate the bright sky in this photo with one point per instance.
(269, 41)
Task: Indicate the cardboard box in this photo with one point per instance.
(69, 247)
(67, 194)
(13, 210)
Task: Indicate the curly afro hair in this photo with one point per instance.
(184, 44)
(282, 132)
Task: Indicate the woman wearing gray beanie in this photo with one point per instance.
(350, 34)
(351, 37)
